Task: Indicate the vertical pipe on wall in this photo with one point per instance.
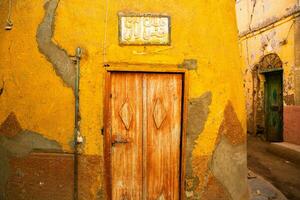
(77, 136)
(255, 86)
(253, 104)
(9, 23)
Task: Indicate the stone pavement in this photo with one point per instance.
(288, 151)
(260, 189)
(277, 167)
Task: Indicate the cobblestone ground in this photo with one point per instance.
(262, 190)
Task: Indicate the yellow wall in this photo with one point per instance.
(32, 90)
(201, 30)
(188, 41)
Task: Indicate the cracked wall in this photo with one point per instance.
(31, 163)
(212, 174)
(38, 75)
(59, 58)
(16, 144)
(32, 89)
(230, 155)
(198, 109)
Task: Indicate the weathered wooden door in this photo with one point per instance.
(144, 135)
(274, 106)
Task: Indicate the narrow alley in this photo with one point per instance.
(284, 174)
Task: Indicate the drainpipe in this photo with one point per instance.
(254, 98)
(253, 105)
(9, 23)
(77, 136)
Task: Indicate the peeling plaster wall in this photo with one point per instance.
(58, 57)
(38, 74)
(280, 38)
(17, 144)
(253, 49)
(254, 14)
(40, 100)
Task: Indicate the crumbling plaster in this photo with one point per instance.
(280, 41)
(16, 142)
(59, 58)
(256, 14)
(38, 89)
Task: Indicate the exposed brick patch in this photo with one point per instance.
(198, 110)
(44, 176)
(214, 190)
(231, 126)
(289, 99)
(17, 143)
(10, 127)
(90, 177)
(195, 183)
(229, 161)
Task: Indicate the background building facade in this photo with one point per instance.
(270, 47)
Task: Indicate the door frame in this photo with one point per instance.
(107, 121)
(266, 93)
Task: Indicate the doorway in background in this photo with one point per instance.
(274, 106)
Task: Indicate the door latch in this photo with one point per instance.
(119, 139)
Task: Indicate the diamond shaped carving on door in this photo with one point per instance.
(126, 114)
(159, 113)
(143, 130)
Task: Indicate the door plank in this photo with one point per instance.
(145, 117)
(126, 134)
(163, 134)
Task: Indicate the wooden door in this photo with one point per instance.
(144, 135)
(274, 106)
(126, 135)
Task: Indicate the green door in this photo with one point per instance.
(274, 106)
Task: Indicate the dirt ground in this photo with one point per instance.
(282, 173)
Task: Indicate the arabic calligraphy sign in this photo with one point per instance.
(144, 29)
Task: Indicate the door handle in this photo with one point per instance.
(119, 139)
(275, 108)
